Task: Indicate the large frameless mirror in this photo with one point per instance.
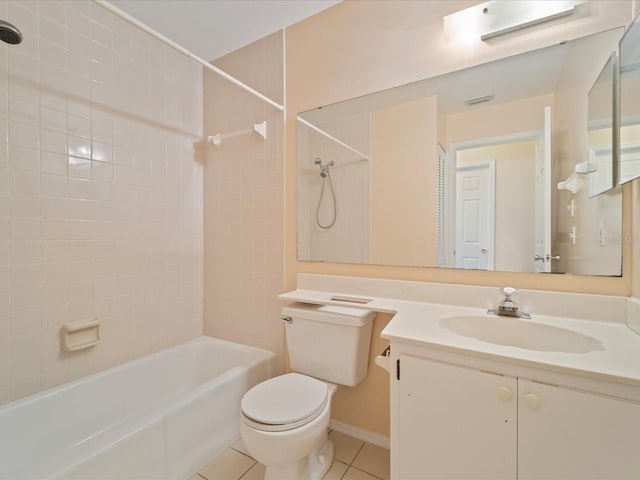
(473, 169)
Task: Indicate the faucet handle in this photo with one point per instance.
(508, 291)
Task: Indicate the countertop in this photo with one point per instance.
(418, 323)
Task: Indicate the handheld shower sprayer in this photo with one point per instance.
(326, 176)
(324, 169)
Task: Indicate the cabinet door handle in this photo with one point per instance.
(532, 401)
(504, 393)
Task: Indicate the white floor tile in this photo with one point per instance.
(355, 474)
(231, 465)
(346, 447)
(336, 471)
(239, 446)
(374, 460)
(255, 473)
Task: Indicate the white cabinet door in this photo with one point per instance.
(567, 434)
(453, 423)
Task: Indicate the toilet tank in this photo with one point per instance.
(329, 343)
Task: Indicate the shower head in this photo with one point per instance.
(10, 33)
(324, 169)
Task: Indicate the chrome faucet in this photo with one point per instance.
(508, 306)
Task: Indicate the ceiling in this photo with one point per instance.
(212, 28)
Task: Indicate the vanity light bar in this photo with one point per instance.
(512, 16)
(497, 17)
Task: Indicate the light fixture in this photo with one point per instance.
(497, 17)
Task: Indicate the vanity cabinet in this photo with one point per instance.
(570, 434)
(455, 422)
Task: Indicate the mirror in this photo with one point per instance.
(629, 167)
(602, 163)
(470, 169)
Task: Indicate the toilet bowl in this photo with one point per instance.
(284, 420)
(284, 426)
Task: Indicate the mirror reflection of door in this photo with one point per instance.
(475, 197)
(499, 245)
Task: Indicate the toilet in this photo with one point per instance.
(284, 420)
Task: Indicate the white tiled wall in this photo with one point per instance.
(100, 192)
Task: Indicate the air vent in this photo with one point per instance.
(477, 100)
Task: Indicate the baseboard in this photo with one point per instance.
(360, 433)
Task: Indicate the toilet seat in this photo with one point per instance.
(284, 402)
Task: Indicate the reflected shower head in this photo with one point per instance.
(324, 169)
(10, 33)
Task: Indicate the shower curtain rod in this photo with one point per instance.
(331, 137)
(125, 16)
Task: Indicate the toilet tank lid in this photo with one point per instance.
(355, 317)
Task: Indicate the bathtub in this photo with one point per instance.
(159, 417)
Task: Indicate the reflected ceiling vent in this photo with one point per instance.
(477, 100)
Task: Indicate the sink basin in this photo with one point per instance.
(515, 332)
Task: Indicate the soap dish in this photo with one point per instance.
(80, 335)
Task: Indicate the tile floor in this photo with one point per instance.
(354, 460)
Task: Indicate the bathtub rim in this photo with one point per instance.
(19, 402)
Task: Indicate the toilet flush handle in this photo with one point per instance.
(286, 319)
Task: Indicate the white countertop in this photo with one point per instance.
(417, 323)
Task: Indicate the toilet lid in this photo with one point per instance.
(285, 399)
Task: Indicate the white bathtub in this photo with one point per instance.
(159, 417)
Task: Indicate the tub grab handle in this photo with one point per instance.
(80, 335)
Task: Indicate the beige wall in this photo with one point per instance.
(498, 120)
(244, 195)
(359, 47)
(404, 139)
(355, 405)
(100, 193)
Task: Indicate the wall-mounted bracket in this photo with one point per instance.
(259, 128)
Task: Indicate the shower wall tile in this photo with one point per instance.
(244, 201)
(101, 193)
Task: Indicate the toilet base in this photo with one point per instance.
(311, 467)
